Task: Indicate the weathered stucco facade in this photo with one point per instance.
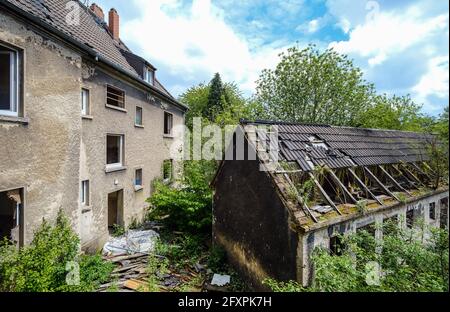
(49, 148)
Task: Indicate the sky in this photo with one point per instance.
(401, 46)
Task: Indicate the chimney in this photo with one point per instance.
(114, 23)
(97, 11)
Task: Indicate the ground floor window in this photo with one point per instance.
(85, 193)
(432, 212)
(168, 170)
(11, 215)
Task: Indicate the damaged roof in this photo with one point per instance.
(312, 145)
(91, 32)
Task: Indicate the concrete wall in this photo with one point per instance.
(321, 237)
(50, 155)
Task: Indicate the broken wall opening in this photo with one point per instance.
(11, 215)
(115, 209)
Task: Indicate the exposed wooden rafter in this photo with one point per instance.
(408, 172)
(380, 184)
(325, 195)
(361, 183)
(342, 186)
(404, 176)
(394, 181)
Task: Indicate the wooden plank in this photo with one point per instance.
(405, 176)
(394, 181)
(422, 172)
(136, 285)
(342, 186)
(327, 198)
(380, 184)
(412, 175)
(361, 183)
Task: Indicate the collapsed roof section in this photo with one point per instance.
(335, 173)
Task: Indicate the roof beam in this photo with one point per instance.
(299, 199)
(428, 167)
(361, 183)
(327, 198)
(405, 176)
(338, 182)
(421, 171)
(394, 181)
(380, 184)
(411, 174)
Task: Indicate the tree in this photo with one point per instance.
(313, 87)
(216, 98)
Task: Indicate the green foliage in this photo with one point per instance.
(408, 260)
(314, 87)
(216, 98)
(217, 258)
(189, 206)
(118, 230)
(361, 205)
(41, 266)
(289, 286)
(156, 268)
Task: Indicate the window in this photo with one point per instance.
(149, 75)
(410, 218)
(336, 245)
(85, 102)
(443, 217)
(167, 170)
(168, 123)
(85, 193)
(115, 97)
(390, 225)
(114, 150)
(138, 177)
(138, 118)
(432, 212)
(9, 81)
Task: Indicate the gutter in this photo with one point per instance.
(90, 52)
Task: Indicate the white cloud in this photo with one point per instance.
(386, 33)
(197, 43)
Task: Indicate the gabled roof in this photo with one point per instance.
(340, 147)
(90, 34)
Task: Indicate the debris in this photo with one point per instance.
(198, 267)
(134, 241)
(136, 285)
(220, 280)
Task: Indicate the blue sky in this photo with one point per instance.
(401, 46)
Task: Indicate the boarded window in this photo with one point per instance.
(115, 97)
(168, 123)
(114, 149)
(138, 118)
(432, 212)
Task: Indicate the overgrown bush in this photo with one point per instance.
(42, 266)
(188, 206)
(405, 261)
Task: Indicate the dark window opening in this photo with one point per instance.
(168, 123)
(432, 212)
(370, 229)
(410, 218)
(115, 209)
(443, 223)
(167, 170)
(114, 149)
(336, 245)
(115, 97)
(11, 216)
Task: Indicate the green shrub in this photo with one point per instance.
(188, 207)
(41, 266)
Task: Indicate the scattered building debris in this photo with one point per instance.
(134, 241)
(220, 280)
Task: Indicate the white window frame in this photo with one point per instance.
(84, 194)
(85, 101)
(149, 75)
(142, 116)
(14, 83)
(120, 163)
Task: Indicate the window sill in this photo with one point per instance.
(168, 136)
(138, 188)
(139, 126)
(84, 210)
(89, 117)
(15, 119)
(120, 109)
(114, 168)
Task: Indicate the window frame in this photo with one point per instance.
(136, 185)
(120, 108)
(170, 133)
(170, 178)
(149, 73)
(85, 193)
(86, 111)
(14, 82)
(121, 151)
(141, 124)
(432, 211)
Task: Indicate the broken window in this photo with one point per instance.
(336, 245)
(138, 178)
(432, 212)
(168, 123)
(370, 229)
(84, 196)
(114, 150)
(444, 213)
(115, 97)
(85, 102)
(410, 218)
(167, 170)
(138, 117)
(9, 81)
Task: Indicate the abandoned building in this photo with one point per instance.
(85, 125)
(326, 181)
